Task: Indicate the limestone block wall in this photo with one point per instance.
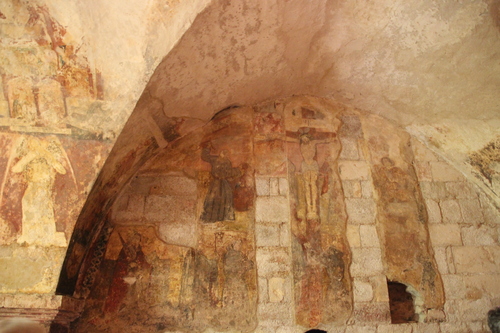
(371, 302)
(464, 230)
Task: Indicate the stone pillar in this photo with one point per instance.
(371, 299)
(274, 261)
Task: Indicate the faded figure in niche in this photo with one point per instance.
(236, 268)
(40, 161)
(310, 172)
(219, 202)
(398, 189)
(131, 276)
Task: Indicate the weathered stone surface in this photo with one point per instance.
(425, 327)
(476, 259)
(366, 262)
(421, 152)
(442, 172)
(275, 314)
(179, 233)
(474, 310)
(360, 211)
(423, 170)
(350, 150)
(274, 186)
(479, 235)
(454, 286)
(490, 213)
(169, 208)
(486, 284)
(353, 236)
(434, 190)
(267, 234)
(369, 236)
(276, 288)
(460, 190)
(445, 234)
(371, 313)
(441, 259)
(471, 210)
(433, 211)
(285, 235)
(366, 189)
(450, 210)
(352, 189)
(353, 170)
(283, 186)
(360, 328)
(453, 328)
(363, 291)
(380, 291)
(272, 209)
(401, 328)
(262, 186)
(270, 261)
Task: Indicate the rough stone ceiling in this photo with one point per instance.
(416, 62)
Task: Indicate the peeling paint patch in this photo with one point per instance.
(486, 162)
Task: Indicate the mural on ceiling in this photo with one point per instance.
(46, 87)
(181, 254)
(318, 220)
(402, 215)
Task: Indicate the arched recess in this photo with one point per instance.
(234, 53)
(263, 192)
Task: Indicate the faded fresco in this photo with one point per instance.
(219, 201)
(53, 121)
(47, 85)
(318, 219)
(246, 221)
(402, 215)
(181, 254)
(41, 187)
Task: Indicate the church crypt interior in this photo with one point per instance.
(281, 166)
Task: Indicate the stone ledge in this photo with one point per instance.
(41, 308)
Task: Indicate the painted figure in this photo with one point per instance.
(219, 202)
(40, 162)
(310, 172)
(131, 275)
(321, 286)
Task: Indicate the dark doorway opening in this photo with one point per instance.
(401, 304)
(316, 331)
